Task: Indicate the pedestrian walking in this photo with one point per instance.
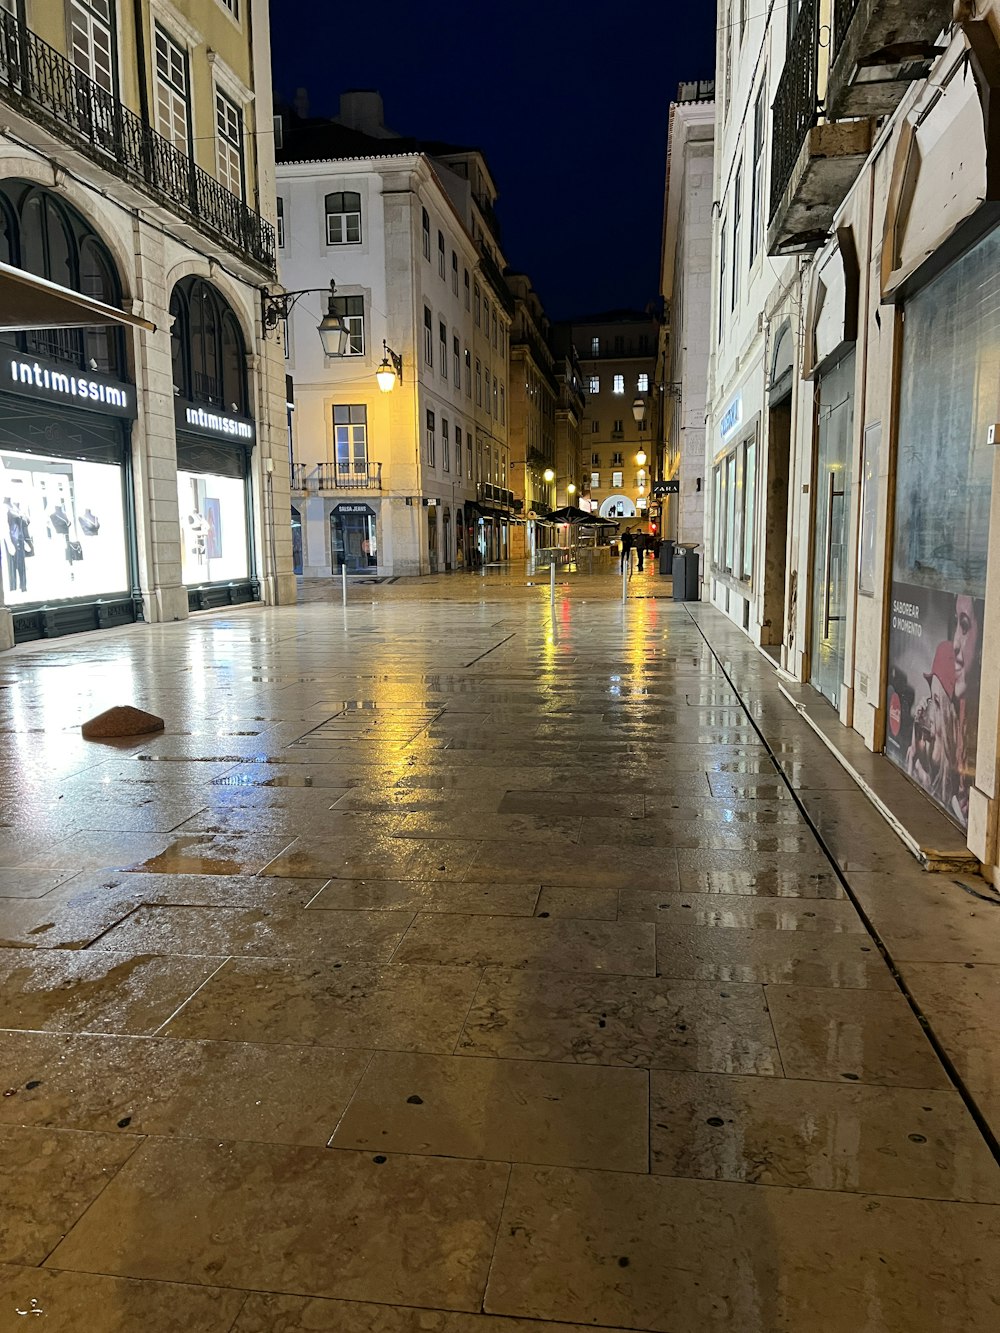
(626, 548)
(640, 547)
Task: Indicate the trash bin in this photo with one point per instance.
(686, 573)
(667, 556)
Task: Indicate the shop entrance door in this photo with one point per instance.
(830, 563)
(432, 538)
(353, 538)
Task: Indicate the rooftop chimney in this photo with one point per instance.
(361, 109)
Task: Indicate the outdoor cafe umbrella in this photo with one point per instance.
(570, 514)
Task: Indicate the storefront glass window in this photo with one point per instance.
(63, 528)
(213, 522)
(749, 506)
(949, 396)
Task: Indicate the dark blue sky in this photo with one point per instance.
(568, 102)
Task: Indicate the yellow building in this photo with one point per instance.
(142, 465)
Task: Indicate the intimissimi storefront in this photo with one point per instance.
(66, 413)
(215, 440)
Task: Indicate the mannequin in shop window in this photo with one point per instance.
(90, 524)
(198, 531)
(61, 523)
(17, 545)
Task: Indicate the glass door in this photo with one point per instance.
(830, 560)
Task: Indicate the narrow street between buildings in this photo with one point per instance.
(459, 960)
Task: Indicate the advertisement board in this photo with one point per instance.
(932, 696)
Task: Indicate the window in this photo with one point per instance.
(728, 61)
(643, 425)
(618, 428)
(595, 428)
(467, 289)
(279, 133)
(616, 480)
(443, 340)
(229, 144)
(486, 376)
(285, 338)
(476, 303)
(496, 397)
(91, 24)
(445, 445)
(171, 91)
(503, 340)
(456, 362)
(352, 310)
(426, 224)
(619, 344)
(503, 405)
(207, 347)
(441, 254)
(350, 439)
(431, 440)
(595, 384)
(617, 460)
(486, 315)
(595, 347)
(280, 228)
(595, 481)
(479, 383)
(642, 383)
(757, 185)
(737, 238)
(495, 327)
(454, 273)
(458, 451)
(619, 386)
(343, 218)
(595, 460)
(468, 373)
(428, 336)
(722, 278)
(468, 455)
(233, 6)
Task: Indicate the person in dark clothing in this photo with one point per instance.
(626, 547)
(640, 547)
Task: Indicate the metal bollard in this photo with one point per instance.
(625, 574)
(343, 583)
(552, 583)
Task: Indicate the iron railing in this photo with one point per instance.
(796, 103)
(486, 490)
(337, 477)
(46, 86)
(843, 16)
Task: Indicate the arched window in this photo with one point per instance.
(207, 347)
(41, 233)
(343, 218)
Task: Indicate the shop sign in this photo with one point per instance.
(51, 382)
(353, 509)
(732, 419)
(671, 487)
(213, 422)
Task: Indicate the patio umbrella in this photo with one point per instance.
(570, 514)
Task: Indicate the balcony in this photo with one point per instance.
(877, 48)
(495, 495)
(814, 161)
(326, 478)
(46, 88)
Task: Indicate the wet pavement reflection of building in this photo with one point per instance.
(458, 962)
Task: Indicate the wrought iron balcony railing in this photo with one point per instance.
(843, 14)
(41, 82)
(337, 477)
(796, 103)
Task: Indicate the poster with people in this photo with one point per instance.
(935, 653)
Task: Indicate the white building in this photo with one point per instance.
(414, 480)
(140, 465)
(686, 286)
(856, 530)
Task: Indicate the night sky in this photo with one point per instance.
(569, 103)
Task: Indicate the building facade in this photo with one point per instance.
(880, 332)
(617, 356)
(142, 466)
(534, 396)
(415, 480)
(685, 336)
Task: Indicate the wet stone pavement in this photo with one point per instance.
(456, 963)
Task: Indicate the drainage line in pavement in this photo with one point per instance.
(466, 665)
(981, 1123)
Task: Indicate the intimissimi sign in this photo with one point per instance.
(44, 382)
(213, 423)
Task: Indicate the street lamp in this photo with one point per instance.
(640, 458)
(548, 475)
(333, 331)
(639, 410)
(390, 369)
(571, 488)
